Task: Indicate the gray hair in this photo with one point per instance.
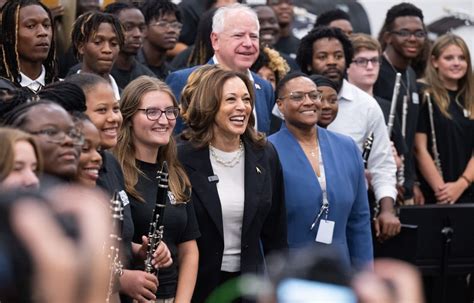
(219, 19)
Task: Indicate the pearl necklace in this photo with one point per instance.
(227, 163)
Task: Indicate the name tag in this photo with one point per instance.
(415, 98)
(124, 197)
(325, 232)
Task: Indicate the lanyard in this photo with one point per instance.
(322, 182)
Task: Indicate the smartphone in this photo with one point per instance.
(292, 290)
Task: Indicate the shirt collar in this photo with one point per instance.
(249, 74)
(33, 84)
(346, 92)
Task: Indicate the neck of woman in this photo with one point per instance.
(226, 143)
(450, 84)
(306, 135)
(146, 154)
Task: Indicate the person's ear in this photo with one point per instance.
(81, 48)
(434, 62)
(215, 41)
(387, 37)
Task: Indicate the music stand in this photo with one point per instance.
(445, 242)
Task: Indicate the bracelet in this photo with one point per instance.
(469, 182)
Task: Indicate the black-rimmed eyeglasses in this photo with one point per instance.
(153, 113)
(419, 34)
(363, 62)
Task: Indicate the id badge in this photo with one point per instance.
(415, 98)
(325, 232)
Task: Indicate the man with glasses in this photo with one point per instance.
(163, 25)
(327, 51)
(402, 38)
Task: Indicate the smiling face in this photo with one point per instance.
(302, 114)
(60, 158)
(451, 64)
(269, 28)
(406, 47)
(104, 111)
(234, 111)
(237, 46)
(328, 59)
(100, 51)
(329, 106)
(150, 135)
(90, 160)
(35, 34)
(25, 168)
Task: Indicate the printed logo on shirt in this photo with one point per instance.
(415, 98)
(124, 197)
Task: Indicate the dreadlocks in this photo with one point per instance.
(86, 26)
(10, 58)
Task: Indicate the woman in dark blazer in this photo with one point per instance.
(236, 179)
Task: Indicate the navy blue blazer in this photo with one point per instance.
(264, 96)
(264, 228)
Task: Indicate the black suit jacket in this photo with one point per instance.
(264, 220)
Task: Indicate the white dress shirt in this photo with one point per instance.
(34, 84)
(359, 115)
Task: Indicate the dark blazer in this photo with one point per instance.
(264, 97)
(264, 219)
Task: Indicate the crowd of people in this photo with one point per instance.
(273, 146)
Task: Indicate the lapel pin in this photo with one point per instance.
(257, 86)
(258, 170)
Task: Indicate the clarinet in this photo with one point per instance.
(115, 265)
(367, 148)
(434, 146)
(393, 105)
(155, 233)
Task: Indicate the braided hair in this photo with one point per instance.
(87, 25)
(9, 25)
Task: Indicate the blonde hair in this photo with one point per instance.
(435, 85)
(125, 149)
(9, 137)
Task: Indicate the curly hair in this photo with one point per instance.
(154, 9)
(327, 17)
(304, 55)
(273, 60)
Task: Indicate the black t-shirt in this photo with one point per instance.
(454, 141)
(288, 45)
(161, 72)
(111, 180)
(180, 225)
(123, 77)
(383, 88)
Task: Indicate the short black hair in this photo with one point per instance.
(281, 85)
(400, 10)
(331, 15)
(154, 9)
(86, 81)
(116, 7)
(304, 55)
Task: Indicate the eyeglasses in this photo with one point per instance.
(363, 62)
(419, 34)
(58, 136)
(313, 95)
(153, 114)
(165, 24)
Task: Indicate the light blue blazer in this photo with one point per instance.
(346, 188)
